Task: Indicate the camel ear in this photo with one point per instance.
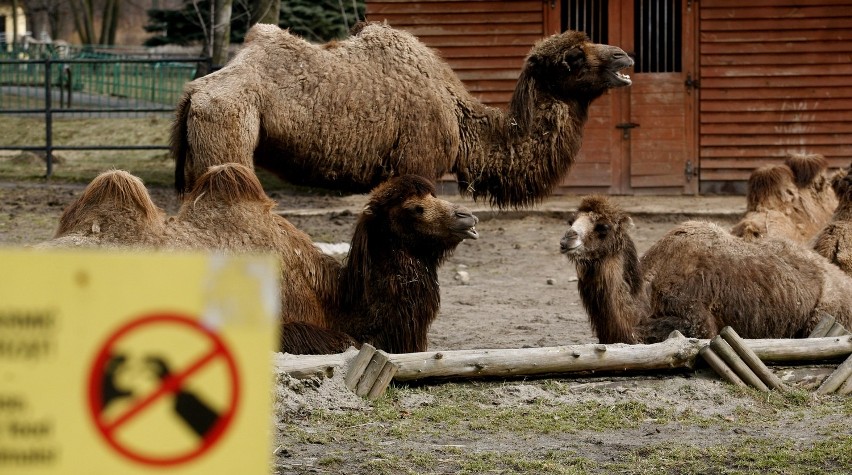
(367, 210)
(575, 57)
(626, 223)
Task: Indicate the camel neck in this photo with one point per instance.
(520, 156)
(610, 289)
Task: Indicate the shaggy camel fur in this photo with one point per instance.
(697, 279)
(792, 201)
(349, 114)
(386, 292)
(834, 242)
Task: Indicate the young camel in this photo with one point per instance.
(385, 293)
(697, 279)
(834, 241)
(792, 201)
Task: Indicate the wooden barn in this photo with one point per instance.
(720, 87)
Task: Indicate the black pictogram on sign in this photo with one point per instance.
(206, 422)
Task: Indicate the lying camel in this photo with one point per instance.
(385, 293)
(697, 279)
(792, 201)
(834, 241)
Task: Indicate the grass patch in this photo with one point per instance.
(154, 167)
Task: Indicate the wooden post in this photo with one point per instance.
(383, 380)
(358, 365)
(751, 359)
(835, 379)
(724, 350)
(374, 368)
(836, 330)
(823, 326)
(719, 366)
(846, 388)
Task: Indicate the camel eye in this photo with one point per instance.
(602, 228)
(571, 218)
(419, 210)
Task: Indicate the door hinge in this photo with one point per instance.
(625, 127)
(691, 83)
(690, 171)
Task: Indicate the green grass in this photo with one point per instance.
(460, 429)
(154, 167)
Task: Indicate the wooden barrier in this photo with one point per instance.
(676, 352)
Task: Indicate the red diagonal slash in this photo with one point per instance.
(171, 384)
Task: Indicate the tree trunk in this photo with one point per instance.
(14, 21)
(82, 10)
(109, 23)
(221, 32)
(266, 11)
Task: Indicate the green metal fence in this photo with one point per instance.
(91, 78)
(90, 85)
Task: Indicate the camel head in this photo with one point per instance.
(841, 183)
(569, 65)
(410, 216)
(596, 231)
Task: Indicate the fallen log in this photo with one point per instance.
(678, 352)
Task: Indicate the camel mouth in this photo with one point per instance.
(469, 233)
(568, 248)
(620, 79)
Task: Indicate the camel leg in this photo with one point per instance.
(219, 130)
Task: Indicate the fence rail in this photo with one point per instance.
(99, 86)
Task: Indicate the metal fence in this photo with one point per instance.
(86, 86)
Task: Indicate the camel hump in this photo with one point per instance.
(769, 183)
(806, 167)
(263, 32)
(229, 183)
(116, 190)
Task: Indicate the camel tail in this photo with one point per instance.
(178, 142)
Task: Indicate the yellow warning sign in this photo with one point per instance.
(133, 362)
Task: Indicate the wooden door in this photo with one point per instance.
(641, 139)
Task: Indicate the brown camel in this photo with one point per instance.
(697, 279)
(834, 241)
(385, 293)
(792, 201)
(349, 114)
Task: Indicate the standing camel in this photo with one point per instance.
(697, 279)
(349, 114)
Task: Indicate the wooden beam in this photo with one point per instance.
(510, 363)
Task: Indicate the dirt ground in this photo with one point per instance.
(520, 293)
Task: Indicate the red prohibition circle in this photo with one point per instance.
(170, 385)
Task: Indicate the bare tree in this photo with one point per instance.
(265, 11)
(221, 31)
(84, 12)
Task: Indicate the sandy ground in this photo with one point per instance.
(520, 293)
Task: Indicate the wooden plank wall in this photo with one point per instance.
(484, 41)
(774, 79)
